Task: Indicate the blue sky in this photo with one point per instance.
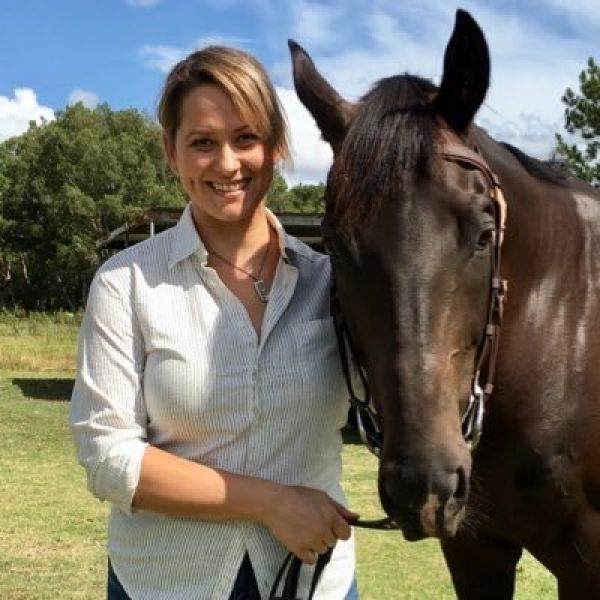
(118, 51)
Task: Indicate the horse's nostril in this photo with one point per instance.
(462, 485)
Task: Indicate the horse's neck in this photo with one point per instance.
(551, 254)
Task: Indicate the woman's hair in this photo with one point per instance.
(242, 78)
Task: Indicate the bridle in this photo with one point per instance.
(368, 421)
(482, 383)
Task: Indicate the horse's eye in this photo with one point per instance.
(485, 237)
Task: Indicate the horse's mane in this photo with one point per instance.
(546, 171)
(391, 138)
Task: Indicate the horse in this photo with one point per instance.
(414, 225)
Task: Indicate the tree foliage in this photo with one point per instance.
(64, 186)
(302, 198)
(582, 118)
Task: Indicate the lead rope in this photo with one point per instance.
(292, 564)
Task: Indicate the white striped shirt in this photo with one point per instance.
(168, 356)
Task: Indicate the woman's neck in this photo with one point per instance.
(237, 241)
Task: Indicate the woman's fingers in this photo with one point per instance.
(307, 521)
(348, 514)
(307, 556)
(319, 547)
(341, 530)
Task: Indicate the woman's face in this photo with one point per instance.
(222, 163)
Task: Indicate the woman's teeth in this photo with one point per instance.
(228, 187)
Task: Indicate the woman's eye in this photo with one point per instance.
(247, 139)
(202, 143)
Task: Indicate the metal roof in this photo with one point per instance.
(152, 221)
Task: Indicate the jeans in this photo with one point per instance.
(244, 588)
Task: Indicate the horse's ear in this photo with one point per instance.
(331, 112)
(466, 73)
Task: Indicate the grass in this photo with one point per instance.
(52, 538)
(38, 342)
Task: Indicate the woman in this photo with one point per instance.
(209, 400)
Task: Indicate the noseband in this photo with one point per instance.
(482, 384)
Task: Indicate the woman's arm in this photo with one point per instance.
(304, 520)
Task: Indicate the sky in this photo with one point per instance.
(56, 53)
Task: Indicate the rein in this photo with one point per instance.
(482, 384)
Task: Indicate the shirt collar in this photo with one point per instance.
(186, 241)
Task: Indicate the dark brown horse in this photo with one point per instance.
(411, 228)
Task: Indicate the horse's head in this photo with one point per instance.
(409, 237)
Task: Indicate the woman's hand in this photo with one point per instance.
(307, 521)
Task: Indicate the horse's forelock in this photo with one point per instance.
(392, 136)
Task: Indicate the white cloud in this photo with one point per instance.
(163, 58)
(583, 13)
(312, 156)
(143, 3)
(17, 112)
(87, 98)
(534, 57)
(315, 23)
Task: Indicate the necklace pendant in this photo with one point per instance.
(262, 291)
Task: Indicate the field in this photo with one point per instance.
(52, 540)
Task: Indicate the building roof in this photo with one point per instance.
(303, 226)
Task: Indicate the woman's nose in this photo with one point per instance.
(227, 159)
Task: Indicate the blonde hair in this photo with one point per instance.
(242, 78)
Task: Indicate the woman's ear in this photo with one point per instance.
(170, 152)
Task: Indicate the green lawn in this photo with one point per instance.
(52, 539)
(38, 342)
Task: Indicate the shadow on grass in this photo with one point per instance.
(52, 390)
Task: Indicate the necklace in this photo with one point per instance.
(260, 287)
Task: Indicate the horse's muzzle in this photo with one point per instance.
(424, 504)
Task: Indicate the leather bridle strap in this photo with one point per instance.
(482, 384)
(368, 422)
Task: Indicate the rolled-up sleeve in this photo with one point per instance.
(108, 415)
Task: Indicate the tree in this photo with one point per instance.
(278, 195)
(308, 198)
(65, 185)
(302, 198)
(582, 117)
